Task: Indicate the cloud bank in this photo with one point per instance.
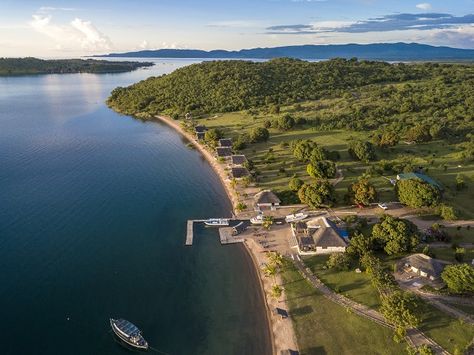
(78, 33)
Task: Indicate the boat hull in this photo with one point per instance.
(125, 339)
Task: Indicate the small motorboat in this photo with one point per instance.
(295, 217)
(216, 222)
(257, 219)
(129, 333)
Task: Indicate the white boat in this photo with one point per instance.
(257, 219)
(129, 333)
(216, 222)
(295, 217)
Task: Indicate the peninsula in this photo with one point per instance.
(377, 159)
(22, 66)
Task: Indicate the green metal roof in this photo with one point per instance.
(425, 178)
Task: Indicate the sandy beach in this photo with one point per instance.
(281, 330)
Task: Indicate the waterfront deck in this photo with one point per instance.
(225, 233)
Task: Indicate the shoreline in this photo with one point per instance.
(281, 333)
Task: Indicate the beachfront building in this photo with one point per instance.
(223, 152)
(423, 177)
(239, 160)
(239, 172)
(423, 265)
(265, 200)
(317, 236)
(225, 142)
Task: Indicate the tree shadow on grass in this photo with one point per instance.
(315, 350)
(301, 311)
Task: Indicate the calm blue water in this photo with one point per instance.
(93, 210)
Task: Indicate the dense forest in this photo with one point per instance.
(19, 66)
(371, 93)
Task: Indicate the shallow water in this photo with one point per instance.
(93, 210)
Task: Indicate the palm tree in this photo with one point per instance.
(276, 259)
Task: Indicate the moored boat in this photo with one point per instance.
(295, 217)
(129, 333)
(216, 222)
(257, 219)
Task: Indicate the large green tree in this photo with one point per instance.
(303, 149)
(323, 169)
(395, 235)
(401, 309)
(362, 192)
(317, 194)
(259, 134)
(362, 150)
(459, 278)
(417, 193)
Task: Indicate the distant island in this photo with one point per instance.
(21, 66)
(375, 51)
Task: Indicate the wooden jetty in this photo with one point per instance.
(226, 235)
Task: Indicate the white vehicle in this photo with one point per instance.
(383, 206)
(295, 217)
(257, 219)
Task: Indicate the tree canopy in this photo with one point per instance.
(316, 194)
(362, 150)
(362, 192)
(395, 235)
(417, 193)
(459, 278)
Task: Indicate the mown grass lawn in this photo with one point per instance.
(462, 235)
(356, 286)
(276, 164)
(323, 327)
(447, 331)
(447, 254)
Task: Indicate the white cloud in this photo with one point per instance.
(144, 45)
(77, 33)
(424, 6)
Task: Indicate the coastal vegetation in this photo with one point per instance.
(338, 119)
(20, 66)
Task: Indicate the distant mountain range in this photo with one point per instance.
(375, 51)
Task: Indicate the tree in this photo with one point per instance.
(212, 136)
(400, 309)
(318, 154)
(267, 222)
(241, 141)
(276, 291)
(285, 122)
(317, 194)
(417, 193)
(418, 134)
(359, 245)
(295, 184)
(303, 149)
(447, 212)
(387, 138)
(460, 184)
(322, 169)
(276, 259)
(395, 235)
(362, 192)
(339, 261)
(459, 254)
(459, 278)
(362, 150)
(241, 207)
(259, 134)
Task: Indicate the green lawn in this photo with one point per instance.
(448, 332)
(463, 235)
(448, 254)
(465, 308)
(323, 327)
(356, 286)
(276, 164)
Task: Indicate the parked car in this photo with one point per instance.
(383, 206)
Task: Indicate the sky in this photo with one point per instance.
(49, 28)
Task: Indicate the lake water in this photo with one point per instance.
(93, 210)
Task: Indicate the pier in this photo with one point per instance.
(226, 234)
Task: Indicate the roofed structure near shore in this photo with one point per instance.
(239, 159)
(267, 199)
(200, 128)
(318, 236)
(223, 152)
(225, 142)
(239, 172)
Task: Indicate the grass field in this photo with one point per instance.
(448, 254)
(276, 164)
(323, 327)
(356, 286)
(462, 235)
(448, 332)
